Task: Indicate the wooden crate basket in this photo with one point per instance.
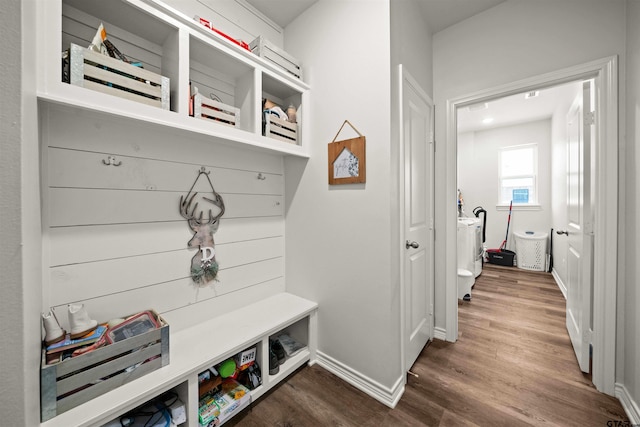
(280, 129)
(101, 73)
(273, 54)
(74, 381)
(217, 111)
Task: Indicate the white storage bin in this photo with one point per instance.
(531, 247)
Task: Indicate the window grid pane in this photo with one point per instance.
(517, 162)
(518, 175)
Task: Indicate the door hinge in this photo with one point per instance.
(590, 118)
(588, 336)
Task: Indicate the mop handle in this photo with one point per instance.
(508, 222)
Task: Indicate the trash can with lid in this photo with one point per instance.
(531, 247)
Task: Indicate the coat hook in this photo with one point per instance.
(261, 177)
(111, 160)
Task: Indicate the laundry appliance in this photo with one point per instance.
(470, 248)
(467, 243)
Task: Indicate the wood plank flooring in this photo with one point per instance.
(513, 365)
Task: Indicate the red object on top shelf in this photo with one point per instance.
(231, 39)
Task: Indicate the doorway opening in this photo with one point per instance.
(512, 153)
(604, 74)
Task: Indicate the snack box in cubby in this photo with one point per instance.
(72, 382)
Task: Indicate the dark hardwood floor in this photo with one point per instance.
(512, 365)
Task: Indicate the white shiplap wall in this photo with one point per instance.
(114, 237)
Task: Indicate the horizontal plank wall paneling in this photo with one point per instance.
(114, 236)
(184, 317)
(209, 82)
(81, 206)
(171, 295)
(95, 279)
(70, 245)
(134, 173)
(121, 137)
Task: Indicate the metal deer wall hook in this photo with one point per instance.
(204, 267)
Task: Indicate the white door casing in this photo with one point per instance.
(579, 229)
(605, 183)
(417, 217)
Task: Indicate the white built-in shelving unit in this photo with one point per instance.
(200, 347)
(173, 45)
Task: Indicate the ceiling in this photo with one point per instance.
(282, 12)
(439, 14)
(516, 109)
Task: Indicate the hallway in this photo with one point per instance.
(512, 365)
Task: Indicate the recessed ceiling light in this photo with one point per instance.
(487, 120)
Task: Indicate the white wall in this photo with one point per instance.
(628, 369)
(350, 262)
(13, 369)
(344, 231)
(20, 225)
(478, 178)
(11, 259)
(411, 43)
(512, 41)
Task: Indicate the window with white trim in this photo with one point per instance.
(518, 175)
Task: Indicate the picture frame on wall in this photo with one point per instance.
(347, 159)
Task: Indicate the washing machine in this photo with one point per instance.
(470, 245)
(466, 263)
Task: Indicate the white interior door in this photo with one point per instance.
(580, 225)
(418, 245)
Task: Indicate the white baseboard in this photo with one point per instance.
(559, 282)
(385, 395)
(440, 334)
(628, 404)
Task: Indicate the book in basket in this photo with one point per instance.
(69, 343)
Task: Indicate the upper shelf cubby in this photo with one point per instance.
(183, 54)
(227, 80)
(140, 36)
(124, 15)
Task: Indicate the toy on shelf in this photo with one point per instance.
(245, 359)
